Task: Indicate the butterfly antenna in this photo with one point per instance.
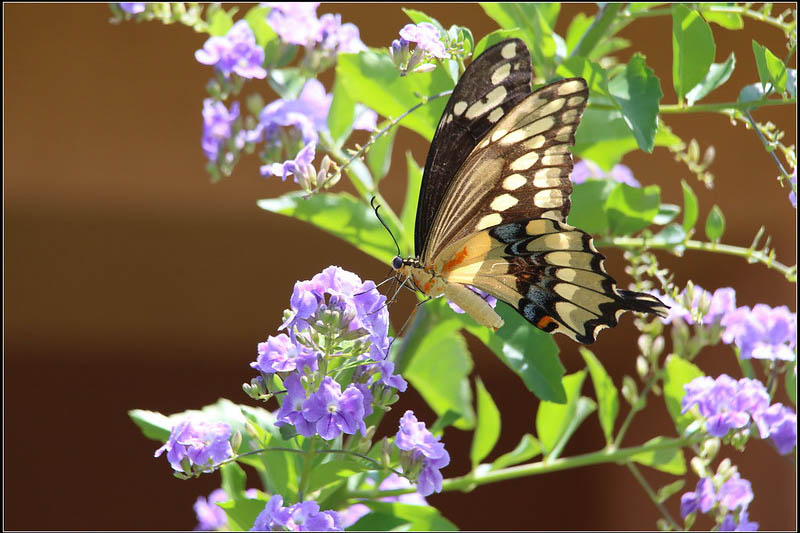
(376, 207)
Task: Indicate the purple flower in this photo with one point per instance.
(735, 493)
(724, 402)
(334, 411)
(291, 411)
(280, 354)
(423, 449)
(133, 7)
(199, 441)
(729, 523)
(237, 52)
(210, 516)
(720, 304)
(297, 23)
(427, 37)
(367, 120)
(703, 498)
(793, 185)
(218, 127)
(586, 169)
(295, 166)
(303, 516)
(491, 300)
(763, 332)
(780, 424)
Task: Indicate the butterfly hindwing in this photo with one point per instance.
(519, 171)
(493, 84)
(550, 272)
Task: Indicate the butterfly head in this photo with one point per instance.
(397, 262)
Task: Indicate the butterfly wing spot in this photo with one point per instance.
(549, 198)
(572, 86)
(491, 100)
(459, 107)
(514, 182)
(524, 162)
(555, 241)
(503, 202)
(488, 221)
(501, 73)
(455, 261)
(547, 178)
(551, 107)
(545, 321)
(535, 127)
(495, 115)
(556, 160)
(582, 260)
(535, 143)
(496, 135)
(509, 50)
(575, 100)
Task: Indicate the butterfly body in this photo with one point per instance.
(494, 202)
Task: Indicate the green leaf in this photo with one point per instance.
(336, 470)
(669, 460)
(439, 371)
(493, 38)
(234, 480)
(771, 70)
(751, 93)
(373, 79)
(666, 491)
(583, 408)
(579, 25)
(690, 207)
(666, 214)
(718, 73)
(673, 236)
(408, 216)
(588, 205)
(631, 209)
(444, 421)
(219, 22)
(553, 419)
(342, 113)
(607, 395)
(242, 513)
(791, 383)
(379, 155)
(487, 429)
(528, 448)
(531, 353)
(791, 84)
(729, 21)
(604, 137)
(715, 224)
(637, 92)
(536, 23)
(677, 373)
(693, 49)
(593, 73)
(402, 517)
(339, 214)
(256, 18)
(287, 82)
(154, 425)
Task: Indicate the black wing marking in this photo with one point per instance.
(492, 85)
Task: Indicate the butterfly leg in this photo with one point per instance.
(473, 305)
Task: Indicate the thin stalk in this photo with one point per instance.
(646, 486)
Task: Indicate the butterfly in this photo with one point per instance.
(494, 201)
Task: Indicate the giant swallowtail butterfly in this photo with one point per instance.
(494, 202)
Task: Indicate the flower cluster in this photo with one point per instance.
(210, 516)
(195, 445)
(725, 403)
(303, 516)
(730, 497)
(133, 8)
(424, 455)
(586, 169)
(297, 23)
(762, 332)
(335, 322)
(221, 130)
(237, 52)
(429, 48)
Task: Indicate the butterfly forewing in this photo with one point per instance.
(492, 85)
(519, 171)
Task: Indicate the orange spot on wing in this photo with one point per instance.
(544, 322)
(455, 261)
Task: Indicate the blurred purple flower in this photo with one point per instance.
(280, 354)
(729, 523)
(303, 516)
(780, 424)
(721, 303)
(334, 411)
(297, 23)
(793, 184)
(586, 169)
(337, 37)
(725, 403)
(218, 124)
(427, 37)
(763, 332)
(210, 516)
(199, 441)
(132, 7)
(423, 449)
(367, 120)
(703, 498)
(237, 52)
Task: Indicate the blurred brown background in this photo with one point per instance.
(132, 282)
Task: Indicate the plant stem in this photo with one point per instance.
(646, 486)
(707, 108)
(747, 253)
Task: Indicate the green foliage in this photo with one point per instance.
(528, 448)
(669, 460)
(771, 70)
(606, 392)
(690, 208)
(693, 49)
(718, 73)
(715, 224)
(637, 92)
(487, 430)
(402, 517)
(553, 420)
(677, 373)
